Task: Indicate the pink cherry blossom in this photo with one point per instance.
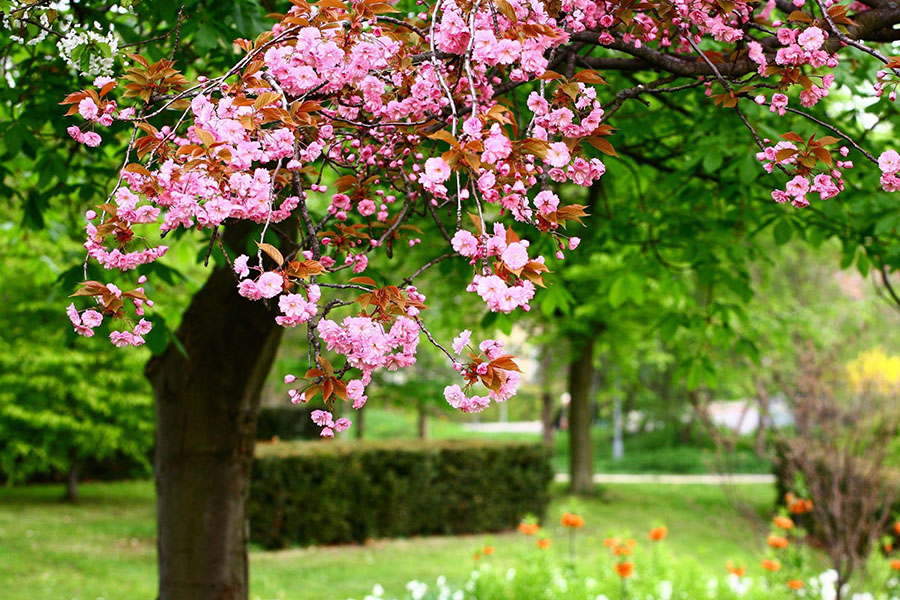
(461, 341)
(465, 243)
(515, 256)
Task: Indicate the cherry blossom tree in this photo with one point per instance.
(351, 131)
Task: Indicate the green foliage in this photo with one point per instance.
(63, 400)
(389, 489)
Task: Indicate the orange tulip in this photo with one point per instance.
(771, 565)
(622, 550)
(888, 546)
(658, 533)
(529, 528)
(897, 527)
(572, 520)
(800, 506)
(611, 542)
(783, 522)
(476, 556)
(544, 543)
(735, 570)
(625, 569)
(776, 541)
(895, 564)
(795, 584)
(487, 550)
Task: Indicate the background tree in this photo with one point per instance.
(62, 406)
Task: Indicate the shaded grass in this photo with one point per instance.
(104, 546)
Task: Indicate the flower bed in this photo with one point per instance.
(646, 570)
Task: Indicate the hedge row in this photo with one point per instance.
(286, 423)
(325, 493)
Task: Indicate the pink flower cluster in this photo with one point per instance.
(884, 79)
(85, 321)
(458, 398)
(325, 420)
(511, 256)
(367, 346)
(295, 309)
(91, 139)
(500, 297)
(827, 184)
(111, 300)
(889, 163)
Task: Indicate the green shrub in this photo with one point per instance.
(286, 423)
(326, 493)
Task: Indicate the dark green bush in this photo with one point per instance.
(327, 493)
(286, 423)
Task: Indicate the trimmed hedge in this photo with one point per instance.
(305, 493)
(286, 423)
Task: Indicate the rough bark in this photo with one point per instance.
(206, 410)
(581, 455)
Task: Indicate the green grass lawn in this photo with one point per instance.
(104, 546)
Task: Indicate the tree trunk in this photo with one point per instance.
(207, 406)
(359, 422)
(546, 395)
(764, 421)
(581, 455)
(547, 417)
(422, 423)
(72, 482)
(618, 442)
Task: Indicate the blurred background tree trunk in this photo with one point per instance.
(72, 481)
(422, 422)
(581, 376)
(359, 423)
(546, 395)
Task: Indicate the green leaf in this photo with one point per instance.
(556, 298)
(712, 160)
(847, 256)
(489, 319)
(618, 292)
(504, 323)
(157, 270)
(161, 336)
(626, 287)
(862, 264)
(816, 237)
(887, 224)
(749, 168)
(783, 231)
